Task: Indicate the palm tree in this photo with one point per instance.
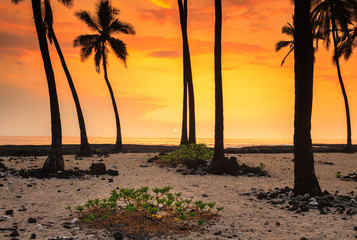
(347, 44)
(334, 16)
(288, 30)
(218, 138)
(305, 179)
(105, 24)
(54, 161)
(84, 149)
(187, 81)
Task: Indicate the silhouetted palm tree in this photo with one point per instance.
(334, 16)
(84, 149)
(347, 44)
(105, 24)
(305, 179)
(218, 138)
(187, 81)
(288, 30)
(54, 162)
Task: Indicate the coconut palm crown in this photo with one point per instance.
(105, 23)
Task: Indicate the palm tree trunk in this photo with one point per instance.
(54, 162)
(85, 149)
(184, 138)
(118, 147)
(348, 147)
(305, 179)
(218, 138)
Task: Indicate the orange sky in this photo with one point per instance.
(258, 93)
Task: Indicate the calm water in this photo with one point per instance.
(229, 142)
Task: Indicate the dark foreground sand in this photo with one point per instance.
(244, 217)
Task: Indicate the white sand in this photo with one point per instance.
(243, 216)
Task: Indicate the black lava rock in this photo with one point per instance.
(118, 236)
(98, 169)
(112, 172)
(33, 236)
(9, 212)
(32, 220)
(14, 234)
(218, 233)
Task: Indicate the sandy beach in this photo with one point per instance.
(243, 217)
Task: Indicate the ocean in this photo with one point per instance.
(229, 142)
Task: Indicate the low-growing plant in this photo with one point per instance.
(140, 203)
(262, 166)
(338, 174)
(196, 152)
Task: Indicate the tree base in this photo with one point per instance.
(85, 151)
(54, 162)
(223, 166)
(118, 148)
(348, 149)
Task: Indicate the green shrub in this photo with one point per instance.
(197, 152)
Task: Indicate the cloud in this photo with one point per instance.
(165, 54)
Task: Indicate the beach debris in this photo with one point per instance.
(98, 169)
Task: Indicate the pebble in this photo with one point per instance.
(9, 212)
(244, 194)
(218, 233)
(118, 236)
(39, 227)
(32, 220)
(14, 234)
(33, 236)
(74, 220)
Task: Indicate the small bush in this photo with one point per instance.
(151, 212)
(193, 152)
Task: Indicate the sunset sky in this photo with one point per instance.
(258, 93)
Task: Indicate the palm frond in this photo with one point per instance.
(97, 58)
(106, 13)
(67, 3)
(85, 40)
(287, 55)
(16, 1)
(86, 17)
(121, 27)
(282, 44)
(119, 49)
(288, 29)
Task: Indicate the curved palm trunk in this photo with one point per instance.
(188, 83)
(305, 179)
(85, 149)
(218, 138)
(348, 147)
(54, 162)
(118, 147)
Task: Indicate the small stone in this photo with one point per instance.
(355, 228)
(110, 180)
(98, 169)
(32, 220)
(33, 236)
(112, 172)
(244, 194)
(218, 233)
(143, 166)
(118, 236)
(9, 212)
(39, 227)
(14, 234)
(277, 224)
(74, 220)
(204, 195)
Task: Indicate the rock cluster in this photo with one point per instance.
(326, 203)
